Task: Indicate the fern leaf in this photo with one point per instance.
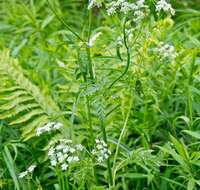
(21, 102)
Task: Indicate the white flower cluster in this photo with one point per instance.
(139, 8)
(49, 127)
(166, 51)
(29, 170)
(63, 153)
(101, 151)
(162, 5)
(95, 3)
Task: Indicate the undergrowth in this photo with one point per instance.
(99, 95)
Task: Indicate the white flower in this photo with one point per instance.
(99, 146)
(79, 147)
(61, 158)
(76, 159)
(64, 166)
(65, 155)
(166, 51)
(93, 3)
(62, 153)
(111, 11)
(60, 147)
(23, 174)
(53, 162)
(162, 5)
(58, 125)
(51, 126)
(101, 150)
(72, 150)
(93, 39)
(94, 151)
(66, 149)
(100, 159)
(31, 168)
(39, 131)
(70, 159)
(51, 152)
(140, 3)
(59, 154)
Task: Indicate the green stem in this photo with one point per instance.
(89, 24)
(190, 81)
(89, 118)
(63, 181)
(121, 134)
(108, 160)
(128, 56)
(128, 59)
(63, 22)
(67, 183)
(90, 67)
(58, 176)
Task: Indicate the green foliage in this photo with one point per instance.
(144, 106)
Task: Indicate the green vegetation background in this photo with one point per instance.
(159, 104)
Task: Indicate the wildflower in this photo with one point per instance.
(31, 168)
(76, 159)
(57, 126)
(64, 166)
(162, 5)
(138, 8)
(28, 171)
(79, 147)
(166, 51)
(51, 126)
(93, 39)
(53, 162)
(101, 151)
(95, 3)
(62, 153)
(23, 174)
(66, 149)
(51, 152)
(72, 150)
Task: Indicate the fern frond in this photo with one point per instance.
(21, 102)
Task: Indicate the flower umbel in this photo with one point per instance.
(166, 51)
(49, 127)
(101, 151)
(163, 5)
(63, 153)
(95, 3)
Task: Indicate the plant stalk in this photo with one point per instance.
(108, 160)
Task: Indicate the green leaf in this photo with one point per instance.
(10, 164)
(133, 175)
(191, 184)
(195, 134)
